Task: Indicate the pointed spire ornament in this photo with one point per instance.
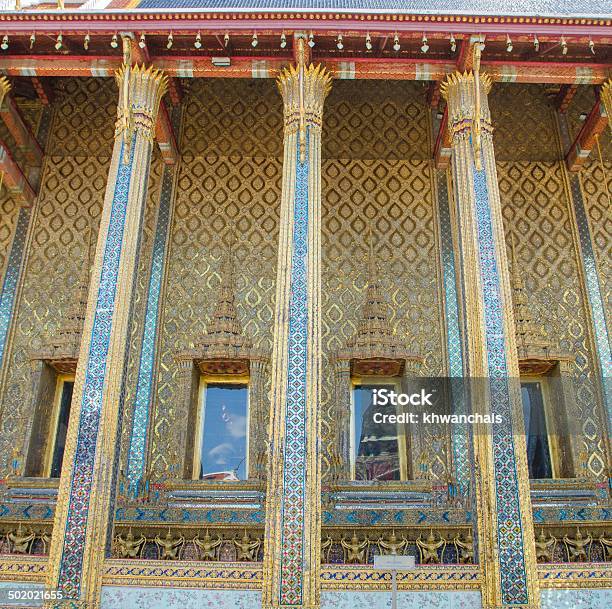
(375, 349)
(527, 333)
(62, 350)
(69, 335)
(536, 354)
(223, 348)
(374, 330)
(224, 334)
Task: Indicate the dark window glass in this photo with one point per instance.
(223, 451)
(375, 445)
(62, 429)
(536, 434)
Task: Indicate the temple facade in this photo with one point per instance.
(289, 287)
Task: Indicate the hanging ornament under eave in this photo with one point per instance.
(476, 123)
(125, 119)
(302, 127)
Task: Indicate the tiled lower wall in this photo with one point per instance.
(167, 598)
(577, 599)
(123, 597)
(405, 600)
(118, 597)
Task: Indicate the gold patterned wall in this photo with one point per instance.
(593, 177)
(70, 202)
(536, 212)
(8, 215)
(376, 173)
(373, 119)
(523, 123)
(233, 118)
(85, 118)
(395, 197)
(230, 176)
(375, 138)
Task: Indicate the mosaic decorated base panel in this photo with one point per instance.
(173, 598)
(406, 600)
(576, 599)
(170, 598)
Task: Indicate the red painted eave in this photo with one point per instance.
(274, 20)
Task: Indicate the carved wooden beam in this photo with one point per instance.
(43, 89)
(433, 94)
(175, 91)
(164, 134)
(586, 140)
(268, 67)
(442, 147)
(21, 132)
(565, 96)
(14, 179)
(466, 54)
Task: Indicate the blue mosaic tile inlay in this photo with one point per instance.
(293, 498)
(144, 387)
(83, 475)
(602, 338)
(11, 277)
(453, 337)
(509, 528)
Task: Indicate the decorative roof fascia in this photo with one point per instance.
(420, 20)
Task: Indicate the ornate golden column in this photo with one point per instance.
(505, 528)
(87, 486)
(293, 499)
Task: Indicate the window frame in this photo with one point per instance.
(206, 380)
(60, 381)
(402, 441)
(551, 435)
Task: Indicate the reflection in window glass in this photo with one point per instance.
(536, 434)
(61, 429)
(375, 445)
(223, 448)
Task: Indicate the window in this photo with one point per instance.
(537, 437)
(221, 446)
(59, 425)
(378, 449)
